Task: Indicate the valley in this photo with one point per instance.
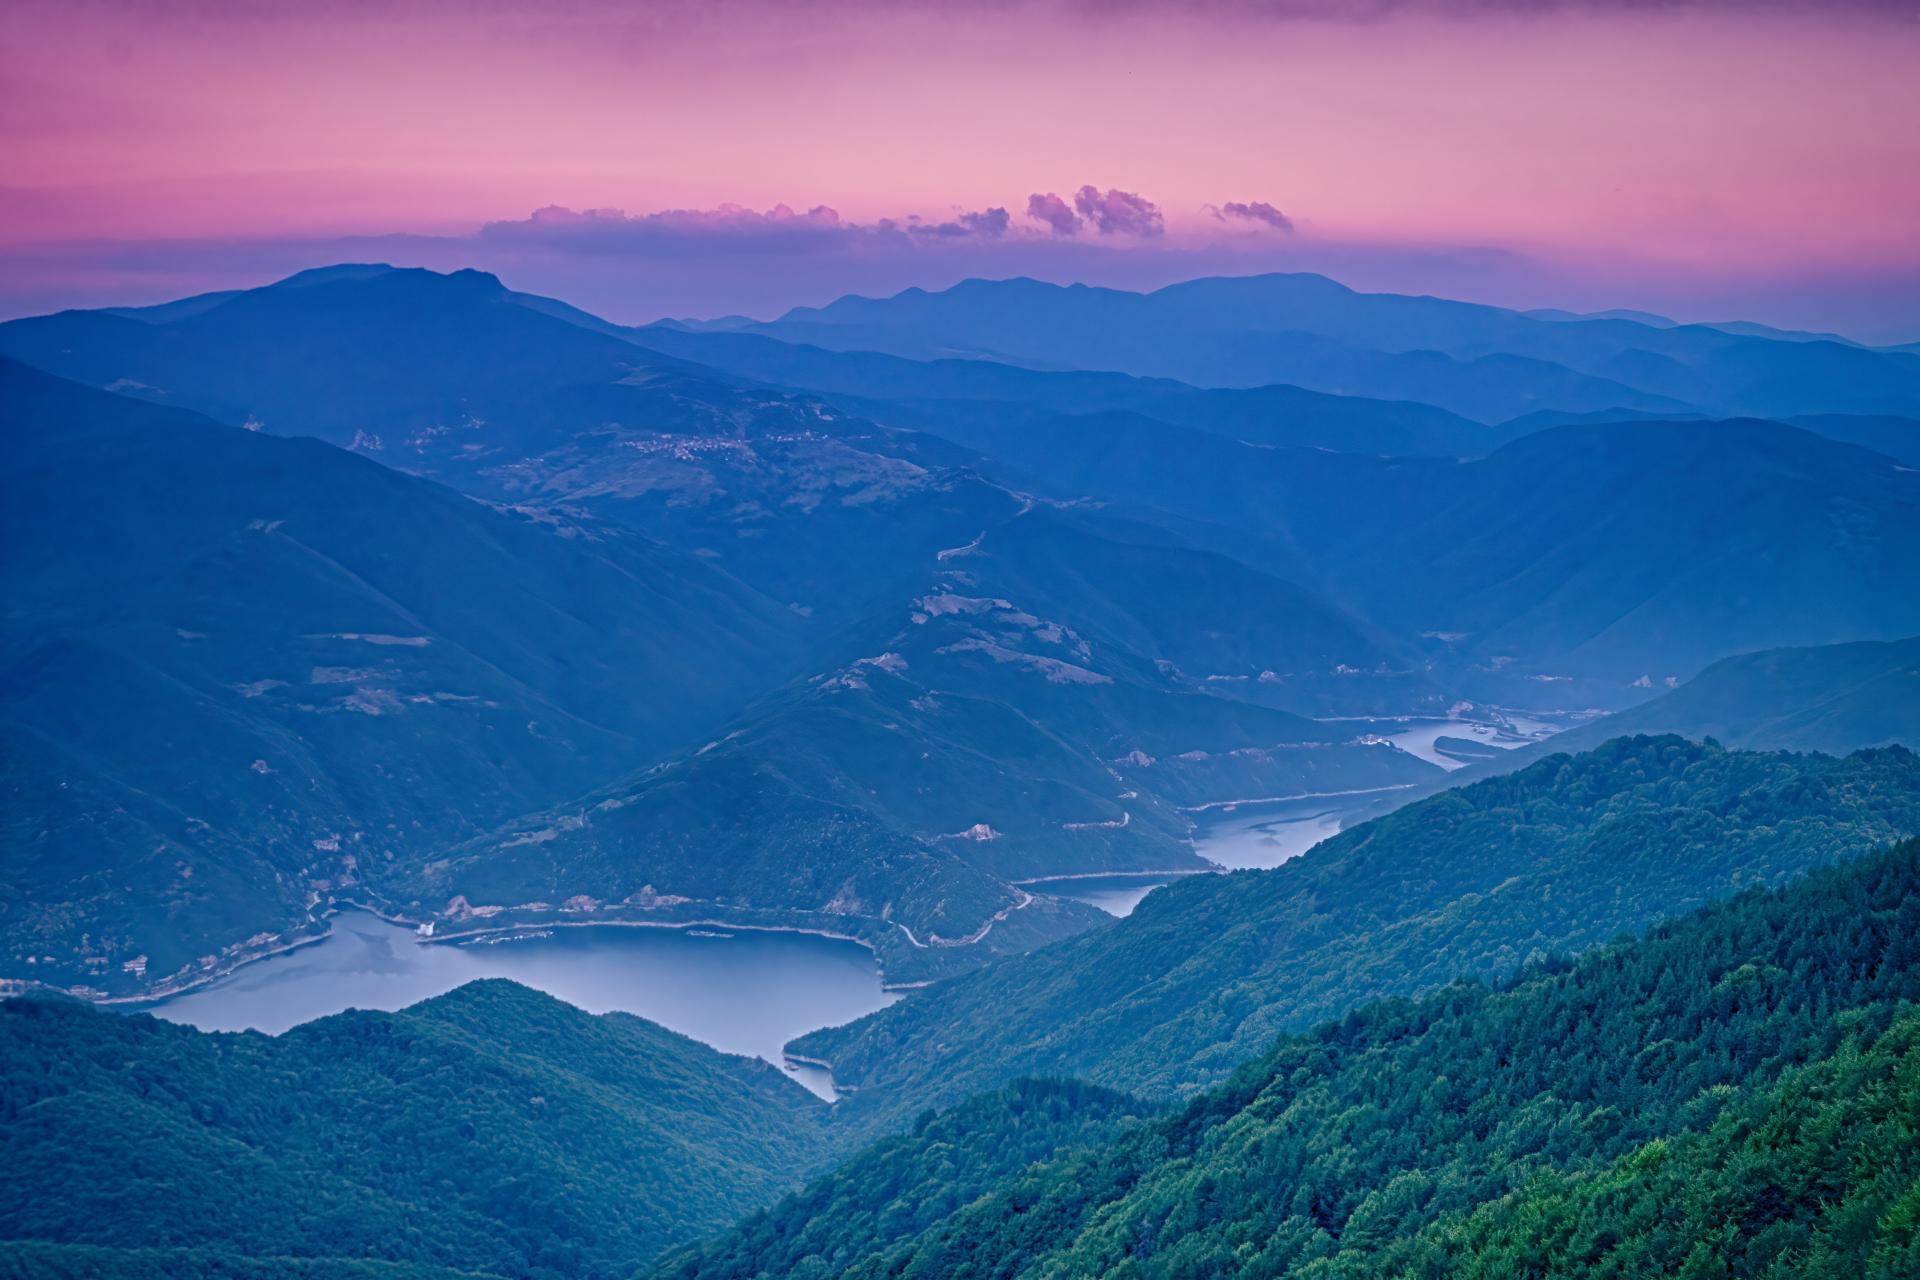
(547, 792)
(733, 987)
(907, 640)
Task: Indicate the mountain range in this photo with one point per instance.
(225, 651)
(524, 400)
(1487, 363)
(857, 655)
(389, 589)
(1595, 554)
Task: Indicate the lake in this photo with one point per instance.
(1266, 833)
(1255, 835)
(747, 992)
(1491, 729)
(1116, 895)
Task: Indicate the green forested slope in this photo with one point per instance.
(1817, 1176)
(32, 1260)
(1737, 1094)
(910, 1182)
(1473, 882)
(493, 1129)
(499, 1131)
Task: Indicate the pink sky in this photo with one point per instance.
(1727, 143)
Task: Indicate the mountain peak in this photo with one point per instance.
(466, 278)
(333, 274)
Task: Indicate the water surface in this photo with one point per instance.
(742, 992)
(1256, 834)
(1116, 895)
(1502, 729)
(1265, 833)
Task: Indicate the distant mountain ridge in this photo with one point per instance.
(927, 393)
(1484, 362)
(451, 377)
(1616, 551)
(1834, 699)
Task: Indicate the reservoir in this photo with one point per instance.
(1116, 895)
(740, 991)
(1265, 833)
(1455, 742)
(1256, 834)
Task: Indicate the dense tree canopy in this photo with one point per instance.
(1736, 1094)
(1569, 852)
(493, 1129)
(1733, 1094)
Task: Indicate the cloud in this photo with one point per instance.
(733, 230)
(1257, 211)
(1116, 212)
(986, 224)
(730, 229)
(670, 230)
(1053, 211)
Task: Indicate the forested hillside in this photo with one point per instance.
(34, 1261)
(1734, 1095)
(1019, 714)
(1475, 882)
(237, 670)
(493, 1129)
(1271, 639)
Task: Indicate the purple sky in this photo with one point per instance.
(1710, 159)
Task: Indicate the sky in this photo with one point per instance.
(1709, 159)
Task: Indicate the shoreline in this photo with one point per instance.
(199, 982)
(1304, 795)
(466, 935)
(320, 919)
(284, 944)
(1117, 875)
